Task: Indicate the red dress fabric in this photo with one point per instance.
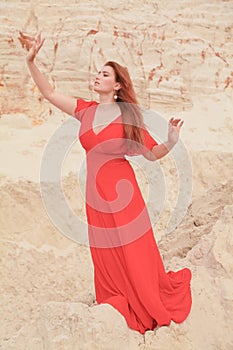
(128, 269)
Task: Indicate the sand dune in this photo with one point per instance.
(49, 301)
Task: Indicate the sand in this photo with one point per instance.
(47, 279)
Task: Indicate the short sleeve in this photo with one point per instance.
(81, 107)
(149, 143)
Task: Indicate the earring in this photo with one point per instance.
(115, 96)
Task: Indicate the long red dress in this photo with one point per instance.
(128, 269)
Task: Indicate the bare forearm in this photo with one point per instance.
(159, 151)
(65, 103)
(41, 81)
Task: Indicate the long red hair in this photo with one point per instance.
(131, 114)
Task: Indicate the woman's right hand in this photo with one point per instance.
(32, 45)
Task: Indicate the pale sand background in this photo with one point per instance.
(180, 56)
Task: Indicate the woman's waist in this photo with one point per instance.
(110, 167)
(101, 158)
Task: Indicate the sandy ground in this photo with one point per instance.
(47, 291)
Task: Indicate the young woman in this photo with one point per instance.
(128, 269)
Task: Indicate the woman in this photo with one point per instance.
(128, 270)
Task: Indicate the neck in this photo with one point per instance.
(106, 98)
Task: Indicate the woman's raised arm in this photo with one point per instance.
(65, 103)
(159, 151)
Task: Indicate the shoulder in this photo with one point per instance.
(82, 105)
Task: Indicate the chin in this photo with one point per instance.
(95, 88)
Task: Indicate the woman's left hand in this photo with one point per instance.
(174, 130)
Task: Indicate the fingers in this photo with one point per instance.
(42, 42)
(28, 41)
(176, 122)
(38, 38)
(182, 122)
(25, 36)
(39, 41)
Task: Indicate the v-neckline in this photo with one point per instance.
(99, 132)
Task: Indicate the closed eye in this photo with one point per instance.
(105, 73)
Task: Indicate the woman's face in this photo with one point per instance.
(105, 81)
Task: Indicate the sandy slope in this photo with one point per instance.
(47, 291)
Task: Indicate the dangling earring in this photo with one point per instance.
(115, 96)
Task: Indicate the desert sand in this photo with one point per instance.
(47, 290)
